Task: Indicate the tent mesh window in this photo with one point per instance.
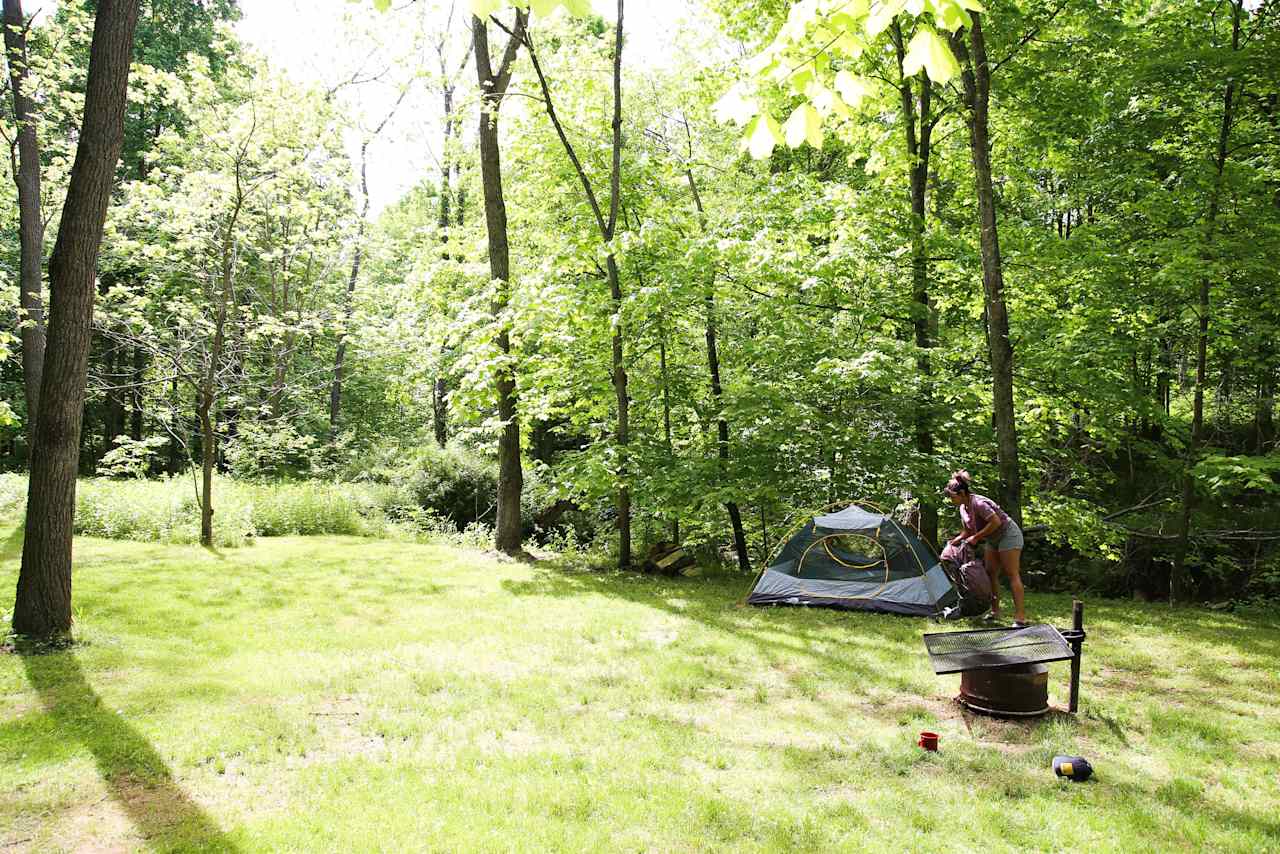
(953, 652)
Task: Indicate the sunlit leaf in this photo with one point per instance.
(733, 107)
(882, 14)
(805, 125)
(928, 51)
(800, 17)
(482, 9)
(801, 79)
(852, 89)
(763, 135)
(951, 16)
(761, 61)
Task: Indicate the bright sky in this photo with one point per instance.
(326, 41)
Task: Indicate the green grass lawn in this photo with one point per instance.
(338, 694)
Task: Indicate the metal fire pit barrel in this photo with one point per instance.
(1002, 671)
(1020, 690)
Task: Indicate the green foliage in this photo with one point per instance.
(271, 450)
(1106, 126)
(13, 495)
(1077, 523)
(131, 457)
(434, 489)
(1232, 476)
(813, 57)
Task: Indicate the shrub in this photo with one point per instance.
(454, 485)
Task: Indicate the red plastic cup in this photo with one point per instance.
(928, 740)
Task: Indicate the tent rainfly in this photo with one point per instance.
(857, 559)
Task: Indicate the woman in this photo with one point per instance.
(984, 522)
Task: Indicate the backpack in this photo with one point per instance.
(969, 575)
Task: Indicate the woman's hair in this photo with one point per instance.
(959, 483)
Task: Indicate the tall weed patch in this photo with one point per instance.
(167, 511)
(164, 511)
(310, 507)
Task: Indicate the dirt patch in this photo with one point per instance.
(15, 706)
(338, 734)
(517, 742)
(103, 822)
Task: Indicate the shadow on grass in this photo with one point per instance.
(136, 775)
(871, 650)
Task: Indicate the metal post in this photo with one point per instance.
(1076, 638)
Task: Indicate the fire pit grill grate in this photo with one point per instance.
(953, 652)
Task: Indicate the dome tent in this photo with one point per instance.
(858, 559)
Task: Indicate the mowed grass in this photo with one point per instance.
(340, 694)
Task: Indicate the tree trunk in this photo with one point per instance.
(977, 94)
(357, 256)
(43, 604)
(440, 412)
(666, 412)
(177, 453)
(1264, 417)
(1178, 577)
(208, 454)
(918, 127)
(446, 173)
(30, 219)
(722, 429)
(137, 399)
(493, 86)
(113, 416)
(207, 397)
(1164, 373)
(717, 392)
(622, 434)
(607, 225)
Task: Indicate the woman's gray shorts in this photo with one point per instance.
(1010, 538)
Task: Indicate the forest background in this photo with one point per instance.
(739, 283)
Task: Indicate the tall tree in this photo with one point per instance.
(43, 604)
(453, 201)
(713, 369)
(452, 198)
(493, 87)
(607, 224)
(976, 76)
(169, 34)
(1177, 577)
(30, 218)
(918, 121)
(357, 256)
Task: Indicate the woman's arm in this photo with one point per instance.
(993, 525)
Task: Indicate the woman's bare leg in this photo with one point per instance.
(1011, 562)
(991, 560)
